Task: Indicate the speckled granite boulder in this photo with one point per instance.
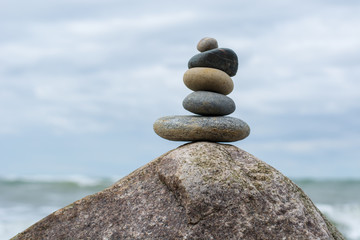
(223, 59)
(197, 191)
(209, 103)
(201, 128)
(208, 79)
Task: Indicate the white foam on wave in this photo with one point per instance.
(16, 219)
(19, 208)
(346, 217)
(19, 211)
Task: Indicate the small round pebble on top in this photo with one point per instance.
(207, 43)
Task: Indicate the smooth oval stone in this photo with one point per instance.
(206, 44)
(209, 104)
(200, 128)
(208, 79)
(223, 59)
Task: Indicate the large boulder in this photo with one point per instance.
(200, 190)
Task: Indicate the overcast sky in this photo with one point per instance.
(82, 82)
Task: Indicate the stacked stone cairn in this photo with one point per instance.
(209, 76)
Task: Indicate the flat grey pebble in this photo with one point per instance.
(200, 128)
(209, 103)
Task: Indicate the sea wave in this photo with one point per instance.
(15, 219)
(346, 217)
(25, 200)
(80, 180)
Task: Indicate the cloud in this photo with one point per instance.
(63, 73)
(133, 25)
(300, 66)
(306, 146)
(289, 68)
(70, 68)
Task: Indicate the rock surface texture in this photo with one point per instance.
(198, 191)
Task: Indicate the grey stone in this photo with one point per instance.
(208, 79)
(197, 191)
(206, 44)
(200, 128)
(209, 104)
(223, 59)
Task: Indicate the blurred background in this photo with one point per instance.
(82, 82)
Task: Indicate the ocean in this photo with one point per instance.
(25, 200)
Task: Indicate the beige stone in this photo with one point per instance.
(198, 191)
(208, 79)
(206, 44)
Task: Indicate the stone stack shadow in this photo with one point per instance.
(209, 76)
